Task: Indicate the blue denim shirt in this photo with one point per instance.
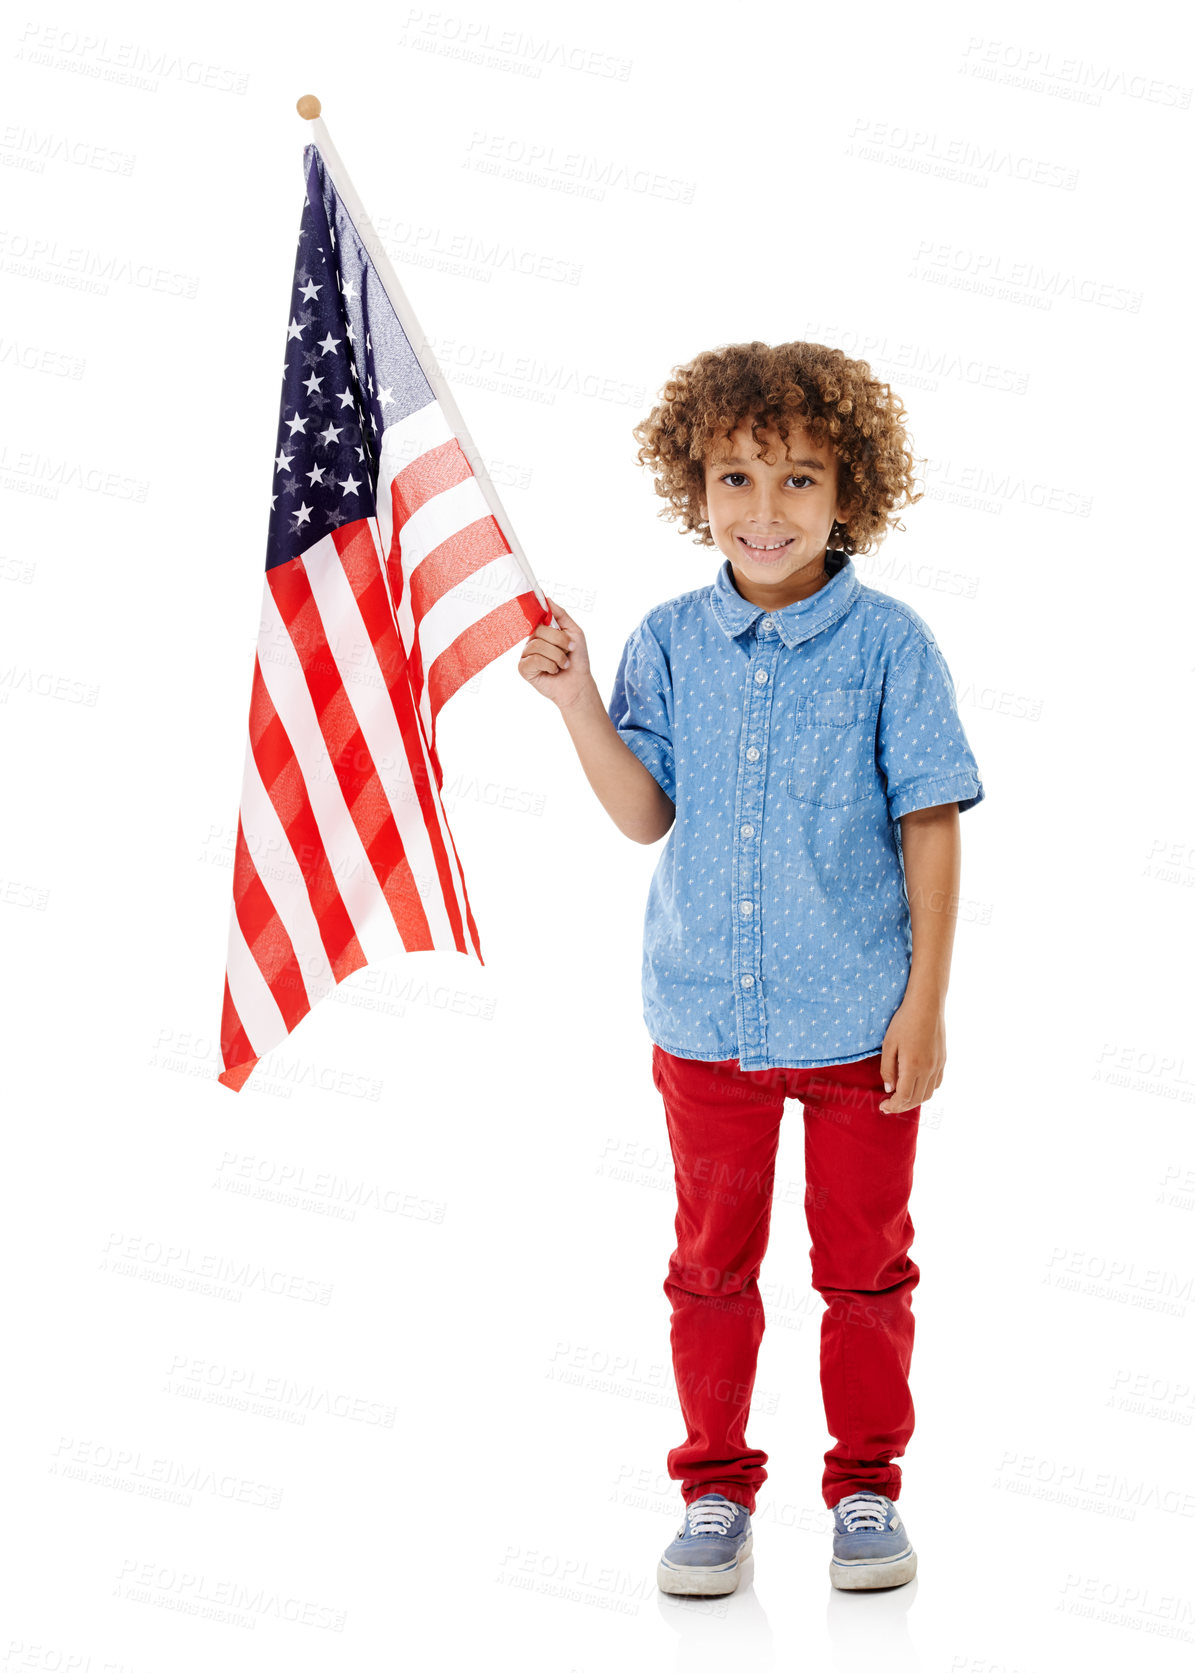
(777, 927)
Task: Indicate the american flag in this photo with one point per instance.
(392, 577)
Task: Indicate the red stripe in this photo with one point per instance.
(359, 559)
(465, 893)
(479, 645)
(356, 773)
(444, 567)
(235, 1049)
(272, 948)
(285, 786)
(432, 473)
(453, 561)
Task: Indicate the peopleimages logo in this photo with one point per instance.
(124, 62)
(1040, 71)
(477, 41)
(1109, 1278)
(991, 273)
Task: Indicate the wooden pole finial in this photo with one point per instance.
(308, 107)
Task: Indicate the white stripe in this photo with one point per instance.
(438, 519)
(446, 839)
(459, 609)
(434, 522)
(250, 993)
(402, 444)
(278, 869)
(416, 434)
(362, 676)
(355, 878)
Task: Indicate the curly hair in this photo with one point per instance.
(808, 385)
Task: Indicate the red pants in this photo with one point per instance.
(724, 1125)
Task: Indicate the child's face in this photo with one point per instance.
(789, 504)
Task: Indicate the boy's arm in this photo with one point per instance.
(556, 662)
(914, 1050)
(620, 781)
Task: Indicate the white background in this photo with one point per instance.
(456, 1453)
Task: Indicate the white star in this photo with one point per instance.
(348, 291)
(349, 332)
(313, 383)
(309, 291)
(350, 485)
(330, 434)
(302, 514)
(282, 462)
(294, 329)
(315, 474)
(384, 395)
(332, 236)
(329, 343)
(346, 397)
(273, 497)
(297, 423)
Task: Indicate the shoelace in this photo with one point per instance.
(710, 1517)
(863, 1510)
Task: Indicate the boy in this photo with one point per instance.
(796, 735)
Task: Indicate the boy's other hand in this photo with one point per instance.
(913, 1055)
(555, 660)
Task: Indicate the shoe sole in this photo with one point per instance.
(870, 1576)
(703, 1582)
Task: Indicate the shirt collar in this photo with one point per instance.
(735, 614)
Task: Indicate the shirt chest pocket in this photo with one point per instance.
(834, 752)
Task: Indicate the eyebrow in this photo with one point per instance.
(809, 464)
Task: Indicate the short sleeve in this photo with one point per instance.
(922, 749)
(641, 706)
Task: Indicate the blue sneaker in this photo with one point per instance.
(871, 1544)
(705, 1557)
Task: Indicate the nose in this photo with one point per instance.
(764, 506)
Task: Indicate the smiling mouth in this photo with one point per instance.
(763, 548)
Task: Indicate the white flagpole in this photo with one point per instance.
(309, 108)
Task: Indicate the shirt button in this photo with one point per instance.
(761, 676)
(746, 830)
(745, 908)
(767, 625)
(747, 981)
(753, 754)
